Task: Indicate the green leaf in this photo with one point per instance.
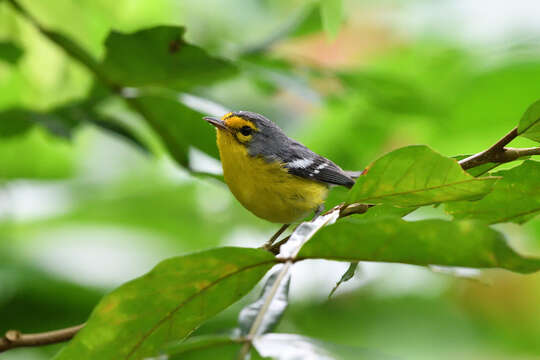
(529, 125)
(16, 121)
(347, 275)
(167, 304)
(515, 198)
(115, 127)
(332, 16)
(9, 52)
(177, 125)
(160, 56)
(414, 176)
(427, 242)
(62, 121)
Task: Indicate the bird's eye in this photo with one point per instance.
(246, 130)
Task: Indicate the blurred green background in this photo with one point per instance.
(81, 215)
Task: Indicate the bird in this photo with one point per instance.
(273, 176)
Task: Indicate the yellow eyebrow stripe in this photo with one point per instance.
(236, 122)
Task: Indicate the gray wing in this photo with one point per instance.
(301, 161)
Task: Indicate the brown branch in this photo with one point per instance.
(490, 154)
(14, 338)
(498, 153)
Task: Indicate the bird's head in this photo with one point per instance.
(249, 129)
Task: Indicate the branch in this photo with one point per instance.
(14, 338)
(498, 153)
(491, 154)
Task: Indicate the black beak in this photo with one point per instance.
(216, 122)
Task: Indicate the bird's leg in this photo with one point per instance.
(275, 248)
(318, 211)
(267, 245)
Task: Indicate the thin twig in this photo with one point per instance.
(485, 156)
(14, 338)
(497, 153)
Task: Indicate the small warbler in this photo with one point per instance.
(273, 176)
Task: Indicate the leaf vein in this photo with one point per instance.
(188, 300)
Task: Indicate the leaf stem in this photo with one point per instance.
(14, 338)
(260, 316)
(302, 234)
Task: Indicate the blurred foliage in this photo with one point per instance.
(9, 52)
(81, 95)
(331, 15)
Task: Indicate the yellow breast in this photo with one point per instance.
(267, 189)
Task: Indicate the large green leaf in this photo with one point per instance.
(168, 303)
(16, 121)
(426, 242)
(529, 125)
(414, 176)
(515, 198)
(159, 56)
